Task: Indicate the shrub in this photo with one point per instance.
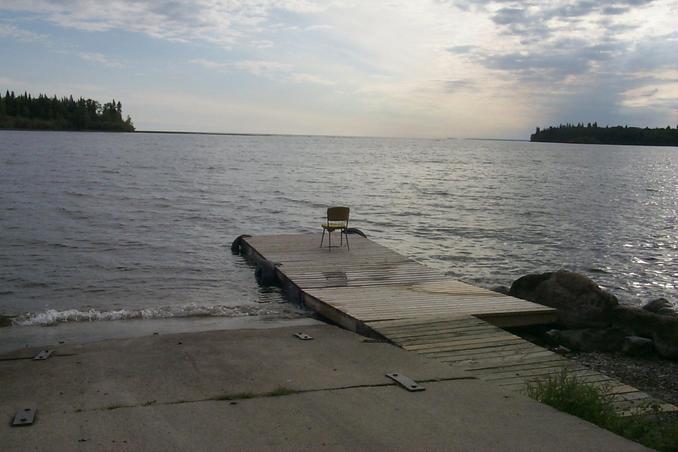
(567, 393)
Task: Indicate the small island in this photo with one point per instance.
(592, 134)
(24, 111)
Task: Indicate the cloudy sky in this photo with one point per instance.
(433, 68)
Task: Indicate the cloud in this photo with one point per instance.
(99, 58)
(23, 35)
(461, 49)
(255, 67)
(554, 61)
(263, 44)
(437, 63)
(262, 67)
(452, 86)
(310, 78)
(319, 27)
(209, 64)
(219, 21)
(20, 34)
(506, 16)
(615, 10)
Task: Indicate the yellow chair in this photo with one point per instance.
(337, 219)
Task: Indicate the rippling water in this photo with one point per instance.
(98, 225)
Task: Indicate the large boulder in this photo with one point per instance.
(579, 301)
(661, 306)
(638, 346)
(500, 289)
(662, 329)
(589, 339)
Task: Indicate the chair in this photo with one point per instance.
(337, 218)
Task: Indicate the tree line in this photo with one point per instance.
(592, 134)
(24, 111)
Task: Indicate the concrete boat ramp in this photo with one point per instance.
(266, 389)
(374, 291)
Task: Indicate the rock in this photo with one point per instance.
(661, 306)
(638, 346)
(579, 301)
(662, 329)
(5, 320)
(500, 289)
(561, 350)
(589, 339)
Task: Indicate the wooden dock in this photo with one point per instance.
(377, 292)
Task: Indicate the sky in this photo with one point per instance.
(415, 68)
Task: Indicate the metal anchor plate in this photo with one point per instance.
(24, 416)
(42, 355)
(303, 336)
(406, 382)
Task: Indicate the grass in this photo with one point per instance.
(116, 406)
(647, 425)
(235, 396)
(232, 396)
(277, 392)
(280, 391)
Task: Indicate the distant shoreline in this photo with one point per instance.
(605, 144)
(246, 134)
(497, 139)
(13, 129)
(616, 135)
(251, 134)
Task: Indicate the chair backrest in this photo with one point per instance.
(338, 214)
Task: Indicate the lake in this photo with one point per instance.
(117, 226)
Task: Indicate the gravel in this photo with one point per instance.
(653, 375)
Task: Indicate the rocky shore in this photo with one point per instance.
(638, 346)
(652, 374)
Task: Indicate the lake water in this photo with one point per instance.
(107, 226)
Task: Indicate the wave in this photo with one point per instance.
(52, 317)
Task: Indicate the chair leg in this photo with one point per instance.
(322, 238)
(329, 234)
(347, 246)
(341, 239)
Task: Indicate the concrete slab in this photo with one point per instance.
(154, 393)
(451, 415)
(169, 368)
(25, 338)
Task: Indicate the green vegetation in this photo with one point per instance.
(280, 391)
(594, 404)
(235, 396)
(26, 112)
(592, 134)
(277, 392)
(117, 406)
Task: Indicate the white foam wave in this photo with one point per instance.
(53, 317)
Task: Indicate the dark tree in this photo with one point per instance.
(27, 112)
(592, 134)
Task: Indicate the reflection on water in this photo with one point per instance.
(105, 222)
